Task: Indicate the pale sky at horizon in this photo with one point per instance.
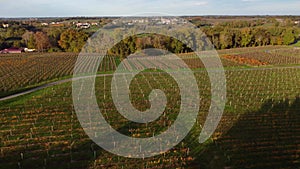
(53, 8)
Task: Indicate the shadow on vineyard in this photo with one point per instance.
(267, 138)
(42, 131)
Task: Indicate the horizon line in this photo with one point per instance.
(184, 15)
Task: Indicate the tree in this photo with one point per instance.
(288, 37)
(246, 37)
(177, 46)
(42, 41)
(14, 32)
(262, 37)
(237, 38)
(54, 35)
(226, 39)
(17, 43)
(143, 42)
(72, 40)
(130, 45)
(212, 34)
(2, 40)
(31, 42)
(28, 39)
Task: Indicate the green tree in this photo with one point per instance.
(237, 38)
(14, 31)
(72, 40)
(177, 46)
(262, 37)
(17, 43)
(2, 40)
(28, 39)
(226, 39)
(289, 37)
(247, 37)
(31, 42)
(54, 35)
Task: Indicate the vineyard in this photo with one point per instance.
(260, 127)
(19, 72)
(23, 71)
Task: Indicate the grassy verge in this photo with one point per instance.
(8, 93)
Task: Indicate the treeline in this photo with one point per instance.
(223, 35)
(136, 43)
(44, 40)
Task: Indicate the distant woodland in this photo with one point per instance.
(62, 34)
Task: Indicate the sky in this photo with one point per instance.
(54, 8)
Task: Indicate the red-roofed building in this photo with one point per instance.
(12, 50)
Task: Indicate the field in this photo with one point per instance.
(22, 71)
(260, 127)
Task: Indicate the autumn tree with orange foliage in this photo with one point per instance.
(42, 41)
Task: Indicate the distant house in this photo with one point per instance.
(165, 21)
(29, 50)
(57, 24)
(5, 25)
(12, 50)
(83, 25)
(44, 24)
(94, 24)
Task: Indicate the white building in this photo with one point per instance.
(5, 25)
(29, 50)
(83, 25)
(94, 24)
